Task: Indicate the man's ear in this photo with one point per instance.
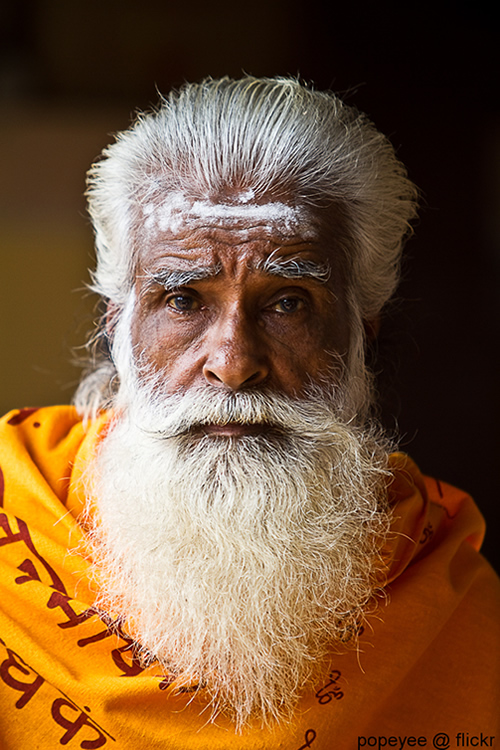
(372, 328)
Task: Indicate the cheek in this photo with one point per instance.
(161, 346)
(313, 354)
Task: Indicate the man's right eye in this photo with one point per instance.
(182, 302)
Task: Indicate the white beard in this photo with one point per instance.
(238, 562)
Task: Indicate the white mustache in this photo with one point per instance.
(314, 417)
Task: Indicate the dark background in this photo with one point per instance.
(72, 73)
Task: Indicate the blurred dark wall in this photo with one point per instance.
(72, 73)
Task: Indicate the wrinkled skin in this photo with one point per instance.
(239, 327)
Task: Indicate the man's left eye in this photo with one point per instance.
(289, 305)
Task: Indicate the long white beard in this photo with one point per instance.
(240, 563)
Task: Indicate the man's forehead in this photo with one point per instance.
(176, 215)
(180, 233)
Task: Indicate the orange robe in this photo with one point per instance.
(425, 674)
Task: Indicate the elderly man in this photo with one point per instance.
(219, 548)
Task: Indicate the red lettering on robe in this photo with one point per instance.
(74, 724)
(23, 535)
(63, 601)
(12, 663)
(21, 415)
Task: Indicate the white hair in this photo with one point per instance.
(270, 136)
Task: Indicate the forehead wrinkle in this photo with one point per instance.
(195, 238)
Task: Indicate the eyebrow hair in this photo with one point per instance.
(295, 268)
(287, 268)
(174, 278)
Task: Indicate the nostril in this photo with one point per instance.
(235, 365)
(234, 376)
(252, 378)
(212, 376)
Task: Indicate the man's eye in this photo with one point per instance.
(183, 303)
(289, 305)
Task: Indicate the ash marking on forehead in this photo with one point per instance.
(178, 212)
(246, 196)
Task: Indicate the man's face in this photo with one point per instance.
(238, 562)
(237, 296)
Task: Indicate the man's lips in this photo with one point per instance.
(232, 429)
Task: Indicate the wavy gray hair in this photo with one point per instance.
(271, 135)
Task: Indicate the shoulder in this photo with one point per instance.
(22, 421)
(443, 603)
(437, 535)
(436, 504)
(37, 447)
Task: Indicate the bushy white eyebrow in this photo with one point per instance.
(296, 268)
(287, 268)
(176, 278)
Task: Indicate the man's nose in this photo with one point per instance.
(236, 357)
